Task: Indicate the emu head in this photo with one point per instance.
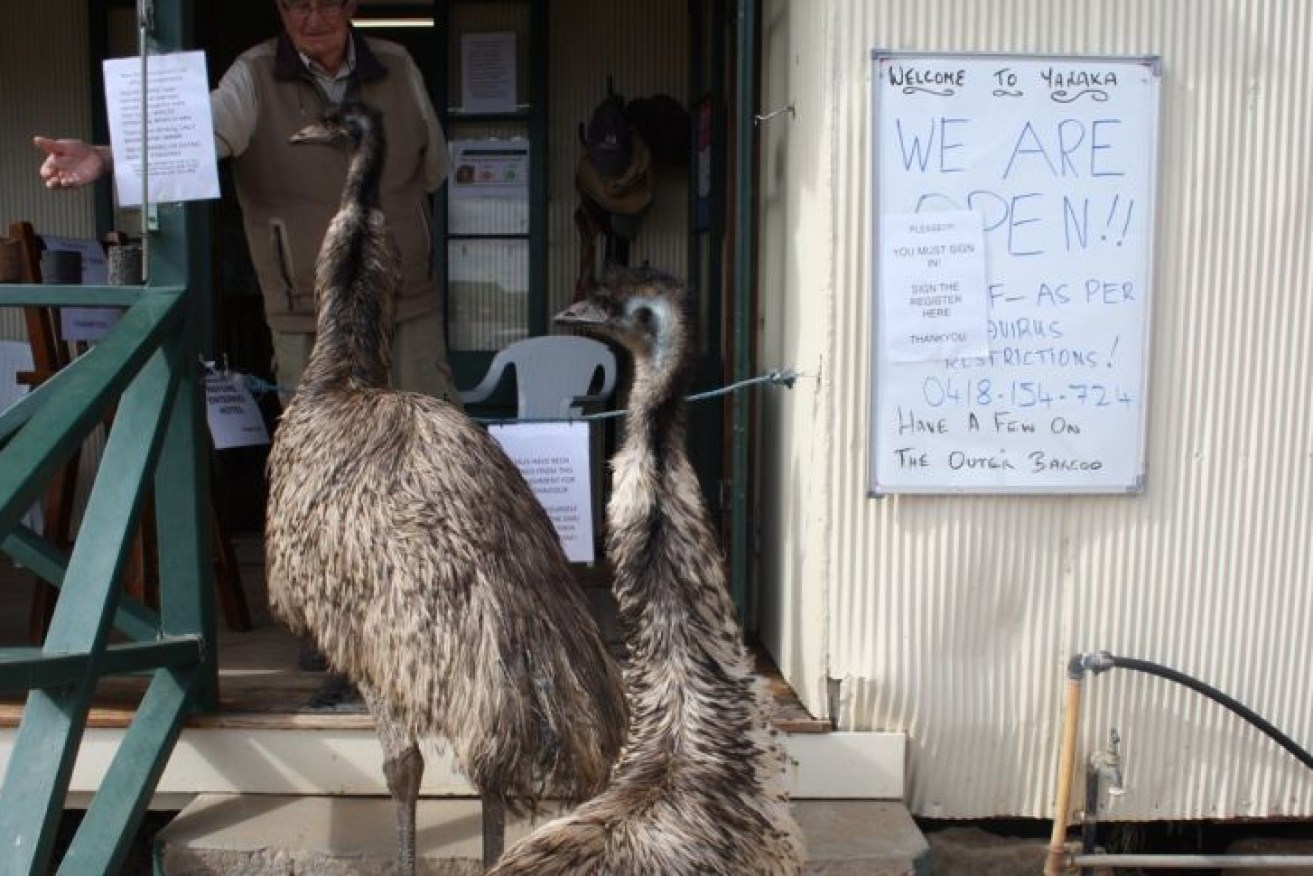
(640, 308)
(348, 124)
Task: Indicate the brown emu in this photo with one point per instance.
(699, 787)
(409, 546)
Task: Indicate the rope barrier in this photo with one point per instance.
(776, 377)
(259, 386)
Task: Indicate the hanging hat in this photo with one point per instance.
(625, 194)
(664, 125)
(608, 138)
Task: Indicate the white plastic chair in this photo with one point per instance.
(553, 375)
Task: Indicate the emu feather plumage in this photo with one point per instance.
(700, 786)
(406, 543)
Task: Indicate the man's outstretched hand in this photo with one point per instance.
(70, 163)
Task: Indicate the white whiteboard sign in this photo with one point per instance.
(1056, 156)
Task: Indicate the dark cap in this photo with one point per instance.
(608, 138)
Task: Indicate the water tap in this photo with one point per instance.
(1108, 764)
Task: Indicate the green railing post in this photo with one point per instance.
(182, 479)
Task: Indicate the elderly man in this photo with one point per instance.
(289, 195)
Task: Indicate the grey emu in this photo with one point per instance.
(407, 544)
(699, 787)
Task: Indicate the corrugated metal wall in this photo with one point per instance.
(952, 618)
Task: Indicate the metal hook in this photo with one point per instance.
(766, 117)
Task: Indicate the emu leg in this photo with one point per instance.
(403, 774)
(403, 767)
(494, 829)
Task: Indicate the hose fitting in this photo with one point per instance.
(1090, 661)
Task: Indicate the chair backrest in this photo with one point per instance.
(553, 375)
(49, 350)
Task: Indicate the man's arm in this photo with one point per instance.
(73, 163)
(235, 109)
(435, 157)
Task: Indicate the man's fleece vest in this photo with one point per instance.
(289, 193)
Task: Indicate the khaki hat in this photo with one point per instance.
(626, 194)
(11, 260)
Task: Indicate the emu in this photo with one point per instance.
(407, 544)
(699, 787)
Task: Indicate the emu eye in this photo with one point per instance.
(643, 317)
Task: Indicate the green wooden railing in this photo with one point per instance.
(145, 373)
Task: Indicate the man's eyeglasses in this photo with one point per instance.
(303, 8)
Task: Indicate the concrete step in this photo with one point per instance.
(264, 835)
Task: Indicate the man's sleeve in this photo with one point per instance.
(435, 157)
(234, 108)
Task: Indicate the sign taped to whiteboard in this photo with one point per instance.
(1055, 158)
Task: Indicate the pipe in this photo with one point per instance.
(1216, 696)
(1183, 862)
(1055, 863)
(145, 23)
(1089, 828)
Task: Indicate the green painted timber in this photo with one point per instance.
(64, 419)
(111, 821)
(146, 373)
(42, 668)
(146, 370)
(49, 564)
(745, 277)
(134, 369)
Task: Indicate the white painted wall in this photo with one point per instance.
(797, 325)
(952, 618)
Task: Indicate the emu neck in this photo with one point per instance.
(355, 281)
(364, 173)
(656, 426)
(677, 619)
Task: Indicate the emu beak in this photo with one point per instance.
(585, 312)
(315, 132)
